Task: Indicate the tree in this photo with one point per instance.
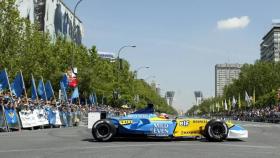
(24, 47)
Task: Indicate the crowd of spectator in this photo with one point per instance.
(71, 112)
(265, 114)
(112, 111)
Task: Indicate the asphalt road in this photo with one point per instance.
(263, 142)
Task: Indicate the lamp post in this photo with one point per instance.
(137, 70)
(74, 31)
(119, 52)
(119, 65)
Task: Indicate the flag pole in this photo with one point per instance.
(44, 89)
(52, 91)
(9, 83)
(23, 86)
(34, 84)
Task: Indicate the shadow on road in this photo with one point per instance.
(139, 139)
(143, 139)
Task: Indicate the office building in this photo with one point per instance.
(224, 75)
(54, 17)
(270, 45)
(198, 97)
(169, 96)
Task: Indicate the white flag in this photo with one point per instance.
(218, 107)
(226, 108)
(247, 98)
(233, 102)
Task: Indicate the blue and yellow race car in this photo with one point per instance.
(146, 123)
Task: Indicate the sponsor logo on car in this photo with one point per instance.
(200, 121)
(184, 123)
(126, 122)
(160, 129)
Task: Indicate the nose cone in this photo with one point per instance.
(237, 132)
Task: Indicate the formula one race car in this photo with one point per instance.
(147, 124)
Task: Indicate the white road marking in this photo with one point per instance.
(139, 145)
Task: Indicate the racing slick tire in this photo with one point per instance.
(103, 130)
(216, 131)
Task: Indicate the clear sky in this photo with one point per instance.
(181, 40)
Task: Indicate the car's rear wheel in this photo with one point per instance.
(103, 130)
(216, 130)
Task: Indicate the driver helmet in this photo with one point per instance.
(164, 116)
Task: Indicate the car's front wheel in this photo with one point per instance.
(103, 130)
(216, 130)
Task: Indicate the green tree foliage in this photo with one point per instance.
(23, 47)
(261, 78)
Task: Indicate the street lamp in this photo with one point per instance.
(119, 65)
(74, 31)
(137, 70)
(133, 46)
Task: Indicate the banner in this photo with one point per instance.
(37, 117)
(66, 118)
(57, 118)
(41, 117)
(63, 118)
(27, 118)
(53, 116)
(34, 94)
(11, 117)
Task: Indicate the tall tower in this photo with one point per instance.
(198, 97)
(169, 96)
(224, 75)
